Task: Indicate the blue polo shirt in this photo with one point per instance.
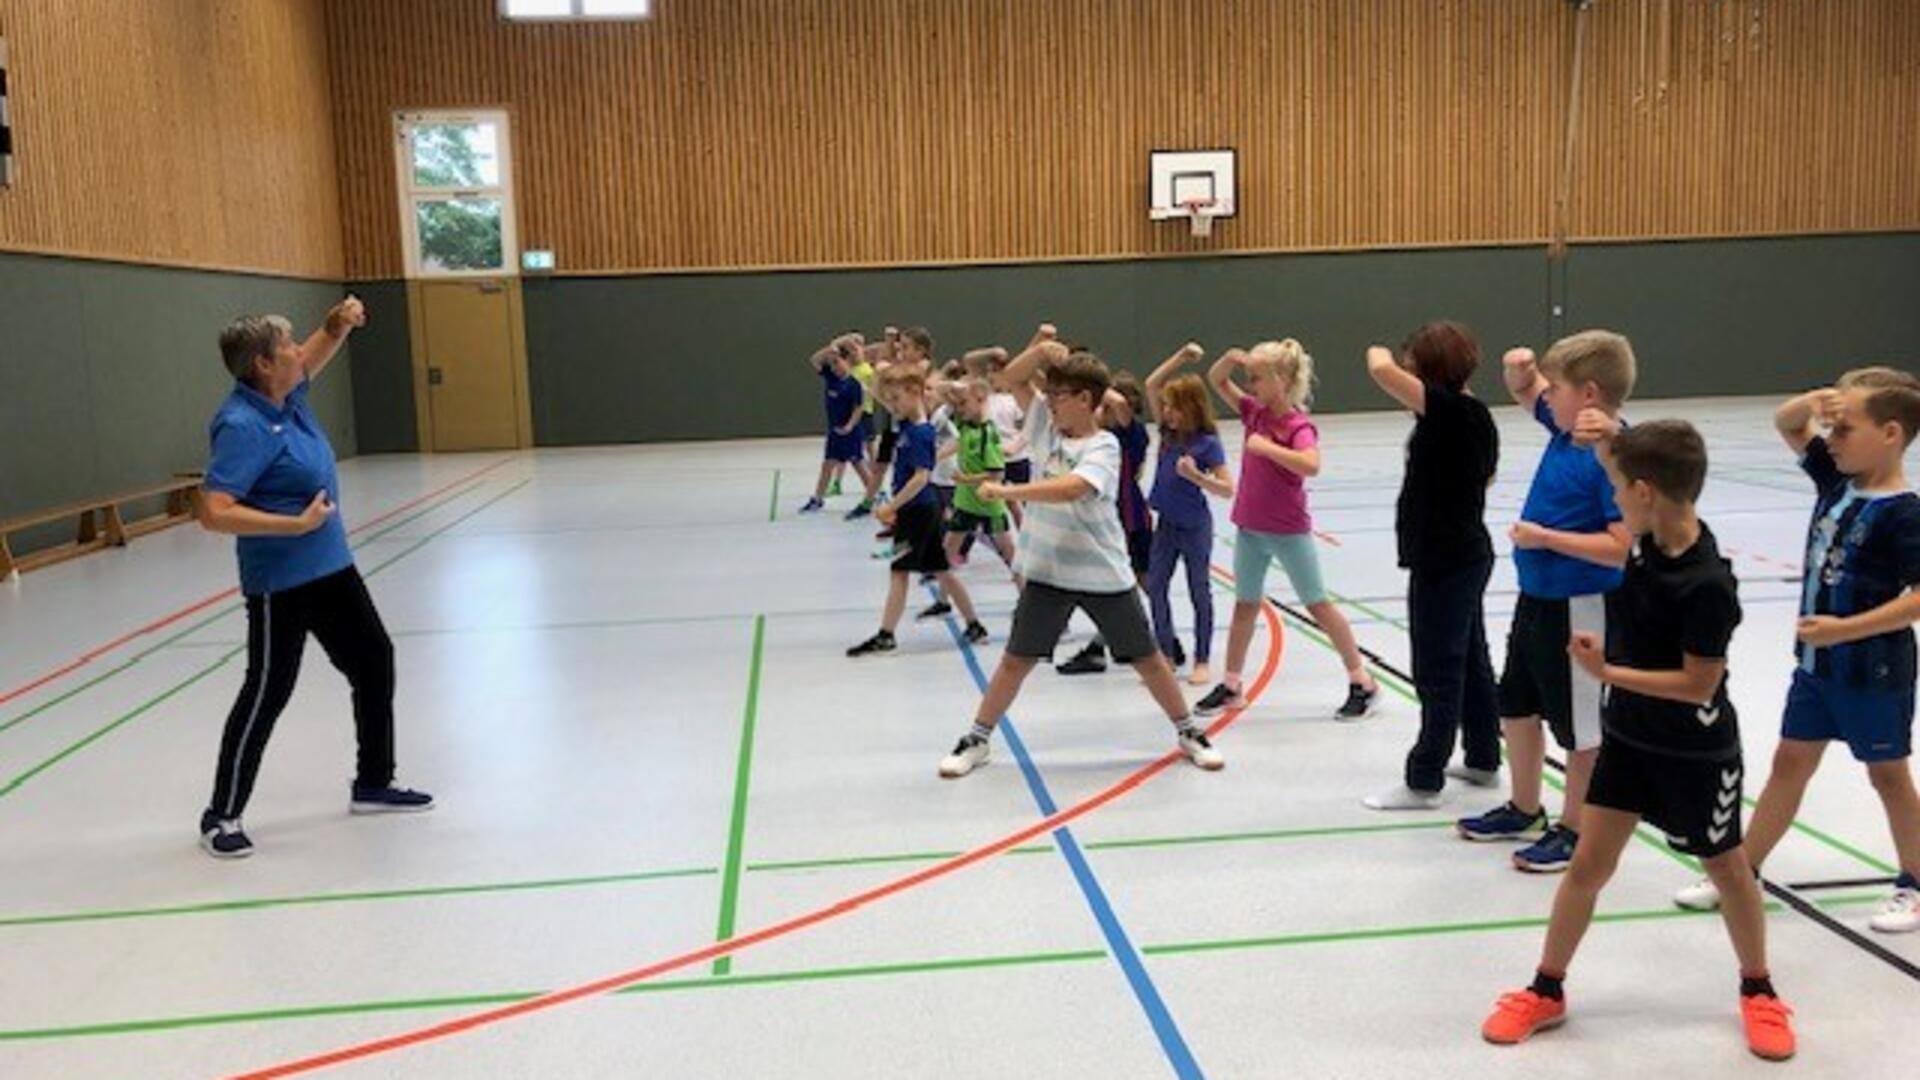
(276, 459)
(1570, 493)
(918, 449)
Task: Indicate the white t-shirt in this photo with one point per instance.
(1004, 411)
(1076, 545)
(945, 470)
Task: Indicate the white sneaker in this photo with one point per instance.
(1702, 895)
(1403, 798)
(1194, 744)
(1900, 914)
(969, 753)
(1486, 778)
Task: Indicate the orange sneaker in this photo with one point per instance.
(1769, 1029)
(1520, 1014)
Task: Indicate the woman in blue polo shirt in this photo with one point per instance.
(272, 483)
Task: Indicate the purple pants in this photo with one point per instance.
(1194, 544)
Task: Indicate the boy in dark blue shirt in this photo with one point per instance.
(1568, 547)
(846, 404)
(1855, 680)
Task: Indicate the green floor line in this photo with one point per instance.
(223, 612)
(773, 501)
(785, 866)
(865, 971)
(742, 783)
(139, 710)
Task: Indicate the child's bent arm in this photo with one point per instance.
(1896, 614)
(1523, 378)
(1797, 420)
(1017, 377)
(1218, 482)
(1694, 684)
(1220, 377)
(1060, 489)
(1305, 462)
(1400, 384)
(1166, 370)
(1609, 549)
(1115, 410)
(914, 485)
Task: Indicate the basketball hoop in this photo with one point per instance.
(1200, 214)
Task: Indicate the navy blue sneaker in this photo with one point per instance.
(812, 505)
(1551, 854)
(389, 800)
(1504, 822)
(223, 838)
(864, 509)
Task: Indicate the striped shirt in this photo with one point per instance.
(1078, 545)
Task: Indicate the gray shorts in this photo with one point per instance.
(1042, 614)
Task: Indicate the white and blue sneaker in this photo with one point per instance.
(223, 838)
(1504, 822)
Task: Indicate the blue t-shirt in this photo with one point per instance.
(1862, 551)
(916, 451)
(1179, 500)
(1570, 493)
(276, 460)
(844, 397)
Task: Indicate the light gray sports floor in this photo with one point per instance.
(622, 675)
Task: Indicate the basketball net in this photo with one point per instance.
(1200, 215)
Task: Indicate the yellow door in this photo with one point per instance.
(472, 401)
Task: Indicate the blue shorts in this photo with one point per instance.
(1254, 551)
(1877, 725)
(848, 448)
(864, 428)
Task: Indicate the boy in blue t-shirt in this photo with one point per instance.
(914, 513)
(1568, 547)
(1855, 680)
(845, 400)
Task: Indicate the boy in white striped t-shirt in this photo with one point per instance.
(1072, 552)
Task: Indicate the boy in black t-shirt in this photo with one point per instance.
(1670, 742)
(1855, 679)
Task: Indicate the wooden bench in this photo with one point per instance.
(100, 523)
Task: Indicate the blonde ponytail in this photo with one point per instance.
(1291, 362)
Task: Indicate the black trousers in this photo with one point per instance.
(1453, 672)
(338, 611)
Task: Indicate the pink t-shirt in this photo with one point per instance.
(1272, 499)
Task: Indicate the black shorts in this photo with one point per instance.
(1140, 551)
(1019, 472)
(918, 544)
(1540, 679)
(963, 522)
(1041, 617)
(889, 439)
(1695, 801)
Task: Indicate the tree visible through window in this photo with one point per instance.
(454, 171)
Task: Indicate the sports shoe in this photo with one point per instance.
(223, 838)
(1091, 660)
(1194, 744)
(1476, 777)
(1503, 822)
(1402, 798)
(937, 609)
(976, 633)
(1702, 895)
(1359, 704)
(812, 505)
(1177, 656)
(1520, 1014)
(969, 753)
(1220, 699)
(1900, 914)
(862, 510)
(387, 799)
(881, 642)
(1769, 1027)
(1550, 854)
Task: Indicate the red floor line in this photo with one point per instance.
(97, 652)
(740, 942)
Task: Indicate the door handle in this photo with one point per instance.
(435, 376)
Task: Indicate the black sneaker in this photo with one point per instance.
(864, 509)
(223, 838)
(936, 610)
(1359, 704)
(881, 642)
(1091, 660)
(1218, 700)
(976, 633)
(388, 799)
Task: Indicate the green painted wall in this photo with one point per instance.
(640, 359)
(110, 372)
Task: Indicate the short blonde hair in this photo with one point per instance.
(1288, 359)
(1600, 357)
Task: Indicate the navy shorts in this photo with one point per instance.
(1019, 472)
(1877, 725)
(846, 448)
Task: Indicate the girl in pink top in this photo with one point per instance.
(1270, 508)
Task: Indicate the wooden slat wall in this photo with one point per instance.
(181, 132)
